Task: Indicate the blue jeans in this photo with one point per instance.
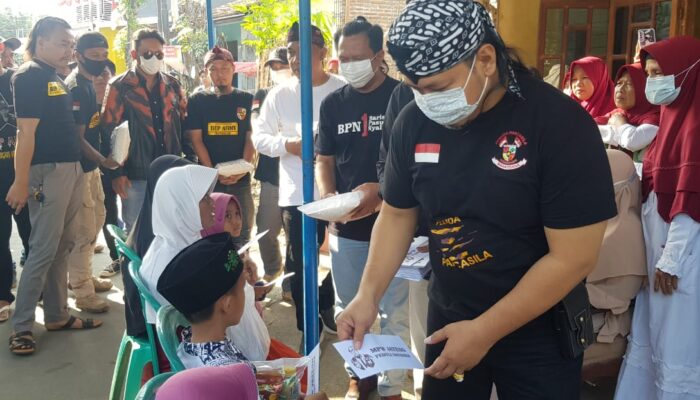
(131, 206)
(348, 258)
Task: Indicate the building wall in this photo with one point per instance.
(519, 26)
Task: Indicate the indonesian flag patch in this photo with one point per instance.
(428, 153)
(76, 106)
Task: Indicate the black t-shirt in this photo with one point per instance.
(350, 129)
(224, 121)
(85, 112)
(8, 124)
(268, 169)
(399, 99)
(40, 93)
(491, 188)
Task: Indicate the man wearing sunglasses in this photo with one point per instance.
(155, 105)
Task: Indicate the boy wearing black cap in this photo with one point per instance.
(218, 123)
(205, 283)
(91, 52)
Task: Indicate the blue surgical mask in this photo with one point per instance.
(450, 106)
(662, 90)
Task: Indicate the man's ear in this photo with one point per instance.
(134, 55)
(487, 60)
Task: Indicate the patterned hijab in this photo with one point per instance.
(431, 36)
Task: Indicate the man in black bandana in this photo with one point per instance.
(91, 52)
(514, 223)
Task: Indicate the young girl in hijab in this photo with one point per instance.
(635, 121)
(663, 356)
(182, 208)
(591, 87)
(228, 218)
(140, 239)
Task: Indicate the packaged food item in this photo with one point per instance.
(281, 379)
(236, 167)
(120, 142)
(333, 209)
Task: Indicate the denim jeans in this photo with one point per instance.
(348, 258)
(131, 206)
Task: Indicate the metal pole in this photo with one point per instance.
(309, 224)
(210, 24)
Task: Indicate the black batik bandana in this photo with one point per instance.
(432, 36)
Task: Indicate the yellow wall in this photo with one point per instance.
(114, 55)
(519, 26)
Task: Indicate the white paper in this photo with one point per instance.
(413, 274)
(313, 384)
(379, 353)
(252, 242)
(415, 258)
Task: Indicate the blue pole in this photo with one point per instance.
(210, 24)
(309, 224)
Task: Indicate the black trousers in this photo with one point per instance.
(292, 221)
(112, 215)
(526, 364)
(24, 229)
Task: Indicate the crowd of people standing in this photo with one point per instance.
(542, 242)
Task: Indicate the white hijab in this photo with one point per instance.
(176, 221)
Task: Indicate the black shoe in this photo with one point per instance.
(23, 257)
(14, 275)
(111, 270)
(328, 321)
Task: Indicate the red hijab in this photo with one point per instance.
(603, 99)
(672, 163)
(643, 112)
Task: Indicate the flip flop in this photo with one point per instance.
(4, 313)
(88, 323)
(22, 343)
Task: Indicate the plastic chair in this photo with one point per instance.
(169, 319)
(148, 391)
(120, 240)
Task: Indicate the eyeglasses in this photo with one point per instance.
(149, 54)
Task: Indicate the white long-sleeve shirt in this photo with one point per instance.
(630, 137)
(280, 120)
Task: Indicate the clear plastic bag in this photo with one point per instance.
(250, 335)
(120, 142)
(236, 167)
(333, 209)
(281, 379)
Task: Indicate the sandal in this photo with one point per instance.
(4, 313)
(87, 323)
(22, 343)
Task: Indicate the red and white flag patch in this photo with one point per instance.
(427, 153)
(76, 106)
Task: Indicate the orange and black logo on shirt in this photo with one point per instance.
(222, 128)
(94, 120)
(56, 89)
(456, 245)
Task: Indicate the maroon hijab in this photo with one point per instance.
(603, 99)
(672, 162)
(643, 112)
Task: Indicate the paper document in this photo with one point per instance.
(416, 265)
(252, 242)
(379, 353)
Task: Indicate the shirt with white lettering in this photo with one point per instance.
(350, 130)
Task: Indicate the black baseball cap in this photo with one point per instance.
(91, 40)
(278, 55)
(12, 43)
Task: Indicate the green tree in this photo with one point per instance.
(128, 9)
(191, 29)
(269, 20)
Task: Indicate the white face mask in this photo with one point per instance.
(152, 66)
(450, 106)
(281, 76)
(358, 73)
(662, 90)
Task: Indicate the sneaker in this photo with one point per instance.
(92, 303)
(23, 257)
(111, 270)
(99, 248)
(101, 285)
(328, 321)
(14, 275)
(361, 389)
